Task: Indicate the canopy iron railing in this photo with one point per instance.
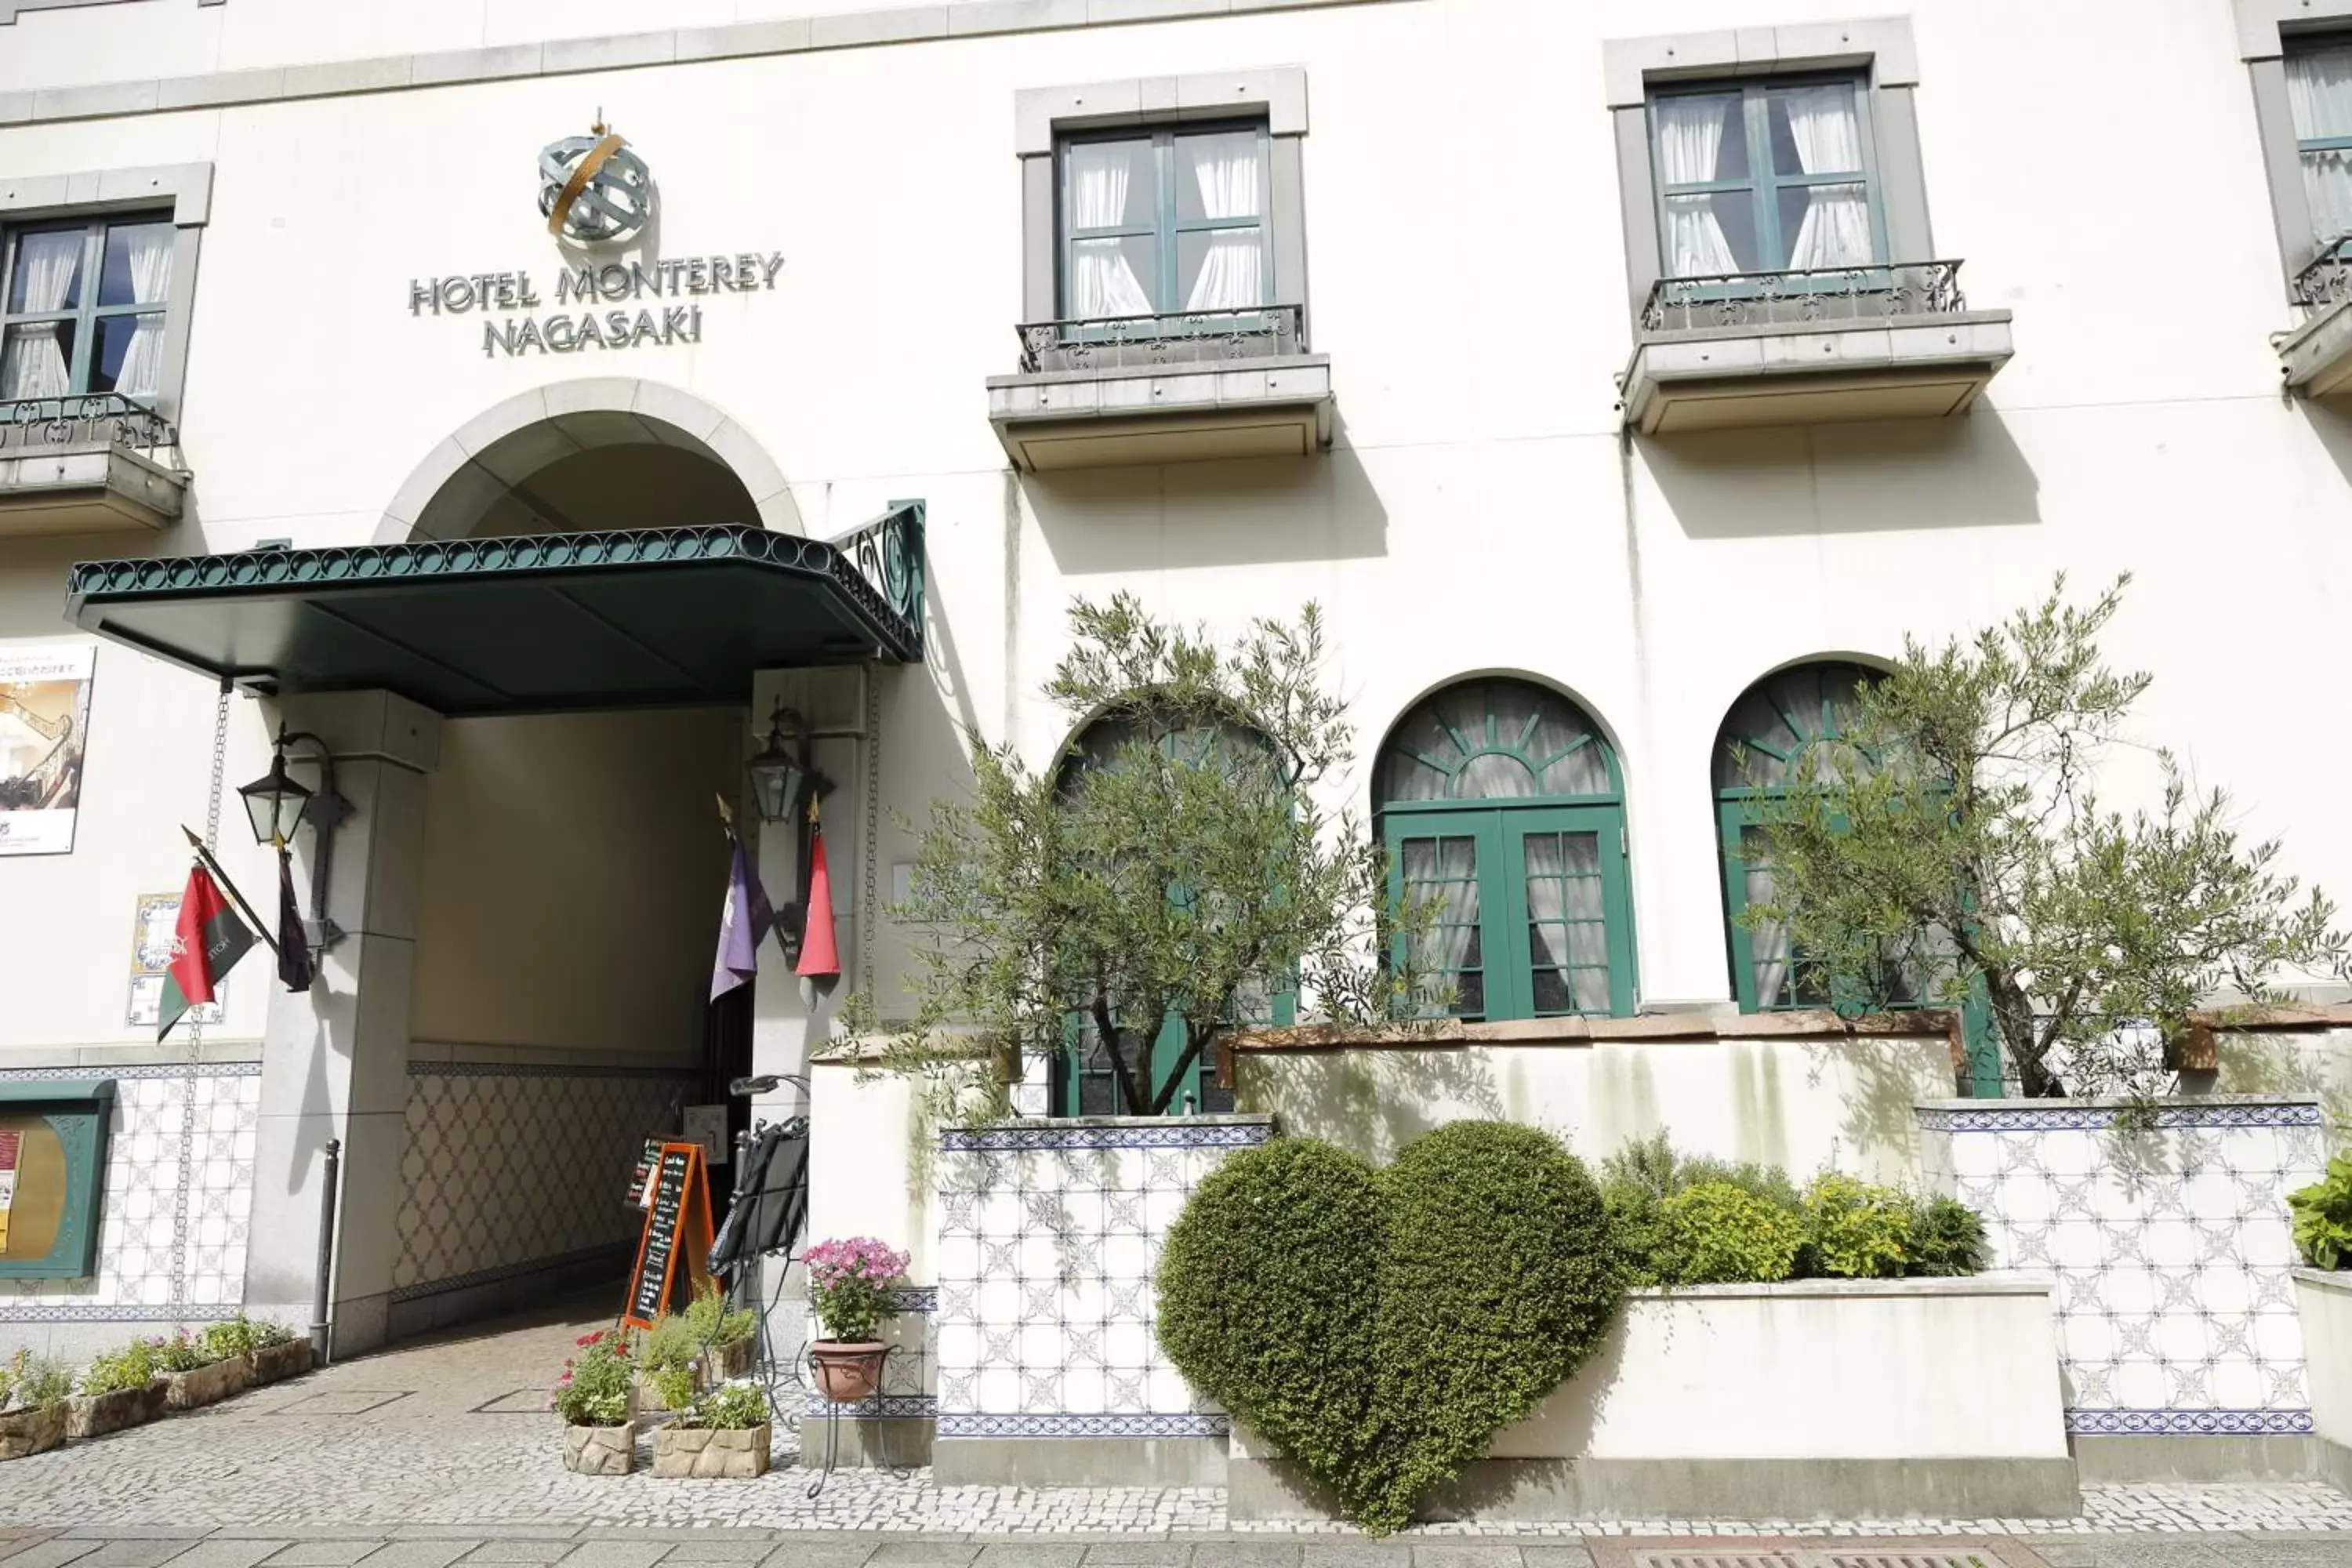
(1878, 291)
(2325, 280)
(1172, 338)
(887, 554)
(30, 425)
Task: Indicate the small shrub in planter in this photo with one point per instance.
(32, 1405)
(723, 1434)
(592, 1397)
(665, 1377)
(1718, 1234)
(270, 1352)
(1855, 1230)
(723, 1339)
(123, 1388)
(195, 1374)
(2323, 1216)
(849, 1287)
(1948, 1239)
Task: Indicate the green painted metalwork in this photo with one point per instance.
(81, 1114)
(525, 623)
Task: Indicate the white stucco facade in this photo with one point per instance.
(1479, 509)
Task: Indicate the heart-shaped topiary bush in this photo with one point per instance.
(1379, 1328)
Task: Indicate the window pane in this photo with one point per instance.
(129, 351)
(1825, 226)
(138, 266)
(1815, 130)
(48, 272)
(1443, 873)
(2328, 190)
(1494, 775)
(1700, 138)
(2319, 93)
(1568, 922)
(1219, 175)
(1113, 276)
(1710, 234)
(1111, 184)
(36, 360)
(1220, 268)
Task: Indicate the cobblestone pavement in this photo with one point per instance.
(453, 1438)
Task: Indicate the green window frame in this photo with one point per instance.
(1504, 802)
(103, 313)
(1765, 168)
(1160, 216)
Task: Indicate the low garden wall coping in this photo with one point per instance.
(2002, 1283)
(2337, 1281)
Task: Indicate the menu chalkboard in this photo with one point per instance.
(677, 1222)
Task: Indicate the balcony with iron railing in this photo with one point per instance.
(1807, 346)
(2316, 356)
(1125, 391)
(88, 463)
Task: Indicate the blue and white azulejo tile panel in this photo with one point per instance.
(1049, 1238)
(2170, 1247)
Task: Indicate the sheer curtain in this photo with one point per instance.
(1768, 945)
(35, 364)
(1836, 227)
(2319, 93)
(150, 251)
(1445, 870)
(1567, 920)
(1690, 135)
(1232, 273)
(1102, 282)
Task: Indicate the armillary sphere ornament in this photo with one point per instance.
(592, 189)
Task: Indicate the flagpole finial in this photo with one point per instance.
(812, 802)
(726, 818)
(193, 842)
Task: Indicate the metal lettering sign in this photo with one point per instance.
(590, 290)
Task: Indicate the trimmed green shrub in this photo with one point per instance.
(1268, 1292)
(2323, 1216)
(1719, 1234)
(1497, 1281)
(1855, 1230)
(1947, 1238)
(1638, 1179)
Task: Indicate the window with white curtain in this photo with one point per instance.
(82, 307)
(1765, 176)
(2319, 96)
(1165, 222)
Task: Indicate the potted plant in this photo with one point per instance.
(664, 1375)
(32, 1405)
(270, 1352)
(195, 1374)
(849, 1285)
(122, 1389)
(723, 1434)
(592, 1397)
(723, 1339)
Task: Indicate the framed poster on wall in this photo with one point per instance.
(44, 726)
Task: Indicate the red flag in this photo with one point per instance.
(820, 953)
(208, 941)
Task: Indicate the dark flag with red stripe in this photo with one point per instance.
(206, 946)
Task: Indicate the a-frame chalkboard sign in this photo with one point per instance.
(678, 1233)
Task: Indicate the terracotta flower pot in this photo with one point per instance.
(96, 1415)
(724, 1454)
(601, 1450)
(23, 1433)
(848, 1369)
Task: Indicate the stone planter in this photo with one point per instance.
(27, 1432)
(205, 1386)
(272, 1364)
(601, 1450)
(96, 1415)
(708, 1453)
(724, 1364)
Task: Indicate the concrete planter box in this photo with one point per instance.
(205, 1386)
(96, 1415)
(708, 1453)
(1852, 1398)
(724, 1364)
(601, 1450)
(2324, 1302)
(23, 1433)
(275, 1363)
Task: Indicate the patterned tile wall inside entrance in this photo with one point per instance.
(2172, 1249)
(1049, 1236)
(509, 1167)
(178, 1199)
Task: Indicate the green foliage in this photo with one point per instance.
(2323, 1216)
(730, 1408)
(240, 1336)
(1636, 1181)
(1947, 1238)
(185, 1351)
(1721, 1233)
(132, 1366)
(1855, 1230)
(1172, 877)
(595, 1388)
(669, 1345)
(1952, 832)
(1378, 1327)
(672, 1386)
(710, 1323)
(28, 1382)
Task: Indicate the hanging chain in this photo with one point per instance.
(873, 831)
(220, 764)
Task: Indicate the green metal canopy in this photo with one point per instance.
(535, 623)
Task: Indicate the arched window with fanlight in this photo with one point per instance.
(1085, 1082)
(1502, 808)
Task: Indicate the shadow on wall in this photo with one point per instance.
(1372, 1101)
(1243, 512)
(1885, 1084)
(2331, 421)
(2318, 1064)
(1964, 472)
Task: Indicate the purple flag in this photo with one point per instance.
(744, 923)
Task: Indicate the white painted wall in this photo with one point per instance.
(2324, 1302)
(1479, 512)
